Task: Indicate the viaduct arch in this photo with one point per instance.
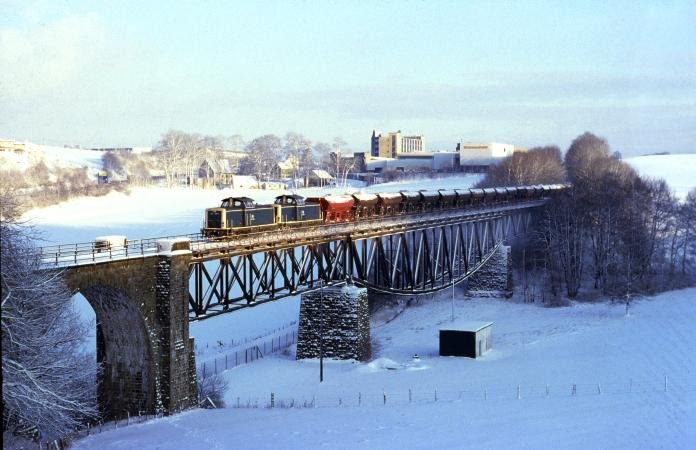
(143, 342)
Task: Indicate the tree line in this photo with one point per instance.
(180, 154)
(613, 232)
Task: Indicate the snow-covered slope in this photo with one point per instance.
(54, 158)
(617, 364)
(678, 170)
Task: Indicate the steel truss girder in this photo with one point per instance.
(403, 262)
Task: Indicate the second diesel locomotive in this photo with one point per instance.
(242, 214)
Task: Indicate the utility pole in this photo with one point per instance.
(321, 332)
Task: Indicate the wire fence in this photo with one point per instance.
(220, 347)
(230, 360)
(665, 386)
(402, 397)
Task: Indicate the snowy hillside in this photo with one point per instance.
(634, 379)
(678, 170)
(53, 157)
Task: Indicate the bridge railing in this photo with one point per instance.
(93, 252)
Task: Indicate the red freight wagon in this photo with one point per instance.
(336, 208)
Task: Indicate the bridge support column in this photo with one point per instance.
(176, 386)
(494, 279)
(336, 320)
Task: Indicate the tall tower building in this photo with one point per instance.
(394, 144)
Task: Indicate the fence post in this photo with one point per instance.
(237, 402)
(485, 393)
(225, 361)
(236, 361)
(518, 392)
(599, 389)
(665, 383)
(384, 396)
(436, 394)
(359, 399)
(203, 369)
(272, 400)
(630, 385)
(409, 395)
(573, 391)
(547, 390)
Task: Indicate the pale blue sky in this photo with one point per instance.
(534, 73)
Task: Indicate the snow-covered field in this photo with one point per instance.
(678, 170)
(617, 363)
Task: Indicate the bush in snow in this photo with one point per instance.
(47, 385)
(211, 390)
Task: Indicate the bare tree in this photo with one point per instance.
(171, 154)
(339, 165)
(211, 390)
(46, 382)
(299, 149)
(263, 156)
(540, 165)
(194, 153)
(235, 143)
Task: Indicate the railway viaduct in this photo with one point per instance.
(144, 297)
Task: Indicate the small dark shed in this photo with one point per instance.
(471, 339)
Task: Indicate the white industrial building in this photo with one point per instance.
(475, 157)
(416, 162)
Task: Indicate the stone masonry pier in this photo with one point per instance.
(143, 342)
(337, 321)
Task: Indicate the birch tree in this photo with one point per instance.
(171, 154)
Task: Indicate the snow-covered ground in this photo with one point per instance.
(678, 170)
(617, 363)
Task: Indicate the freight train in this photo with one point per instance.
(237, 215)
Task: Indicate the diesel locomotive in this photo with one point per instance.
(238, 215)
